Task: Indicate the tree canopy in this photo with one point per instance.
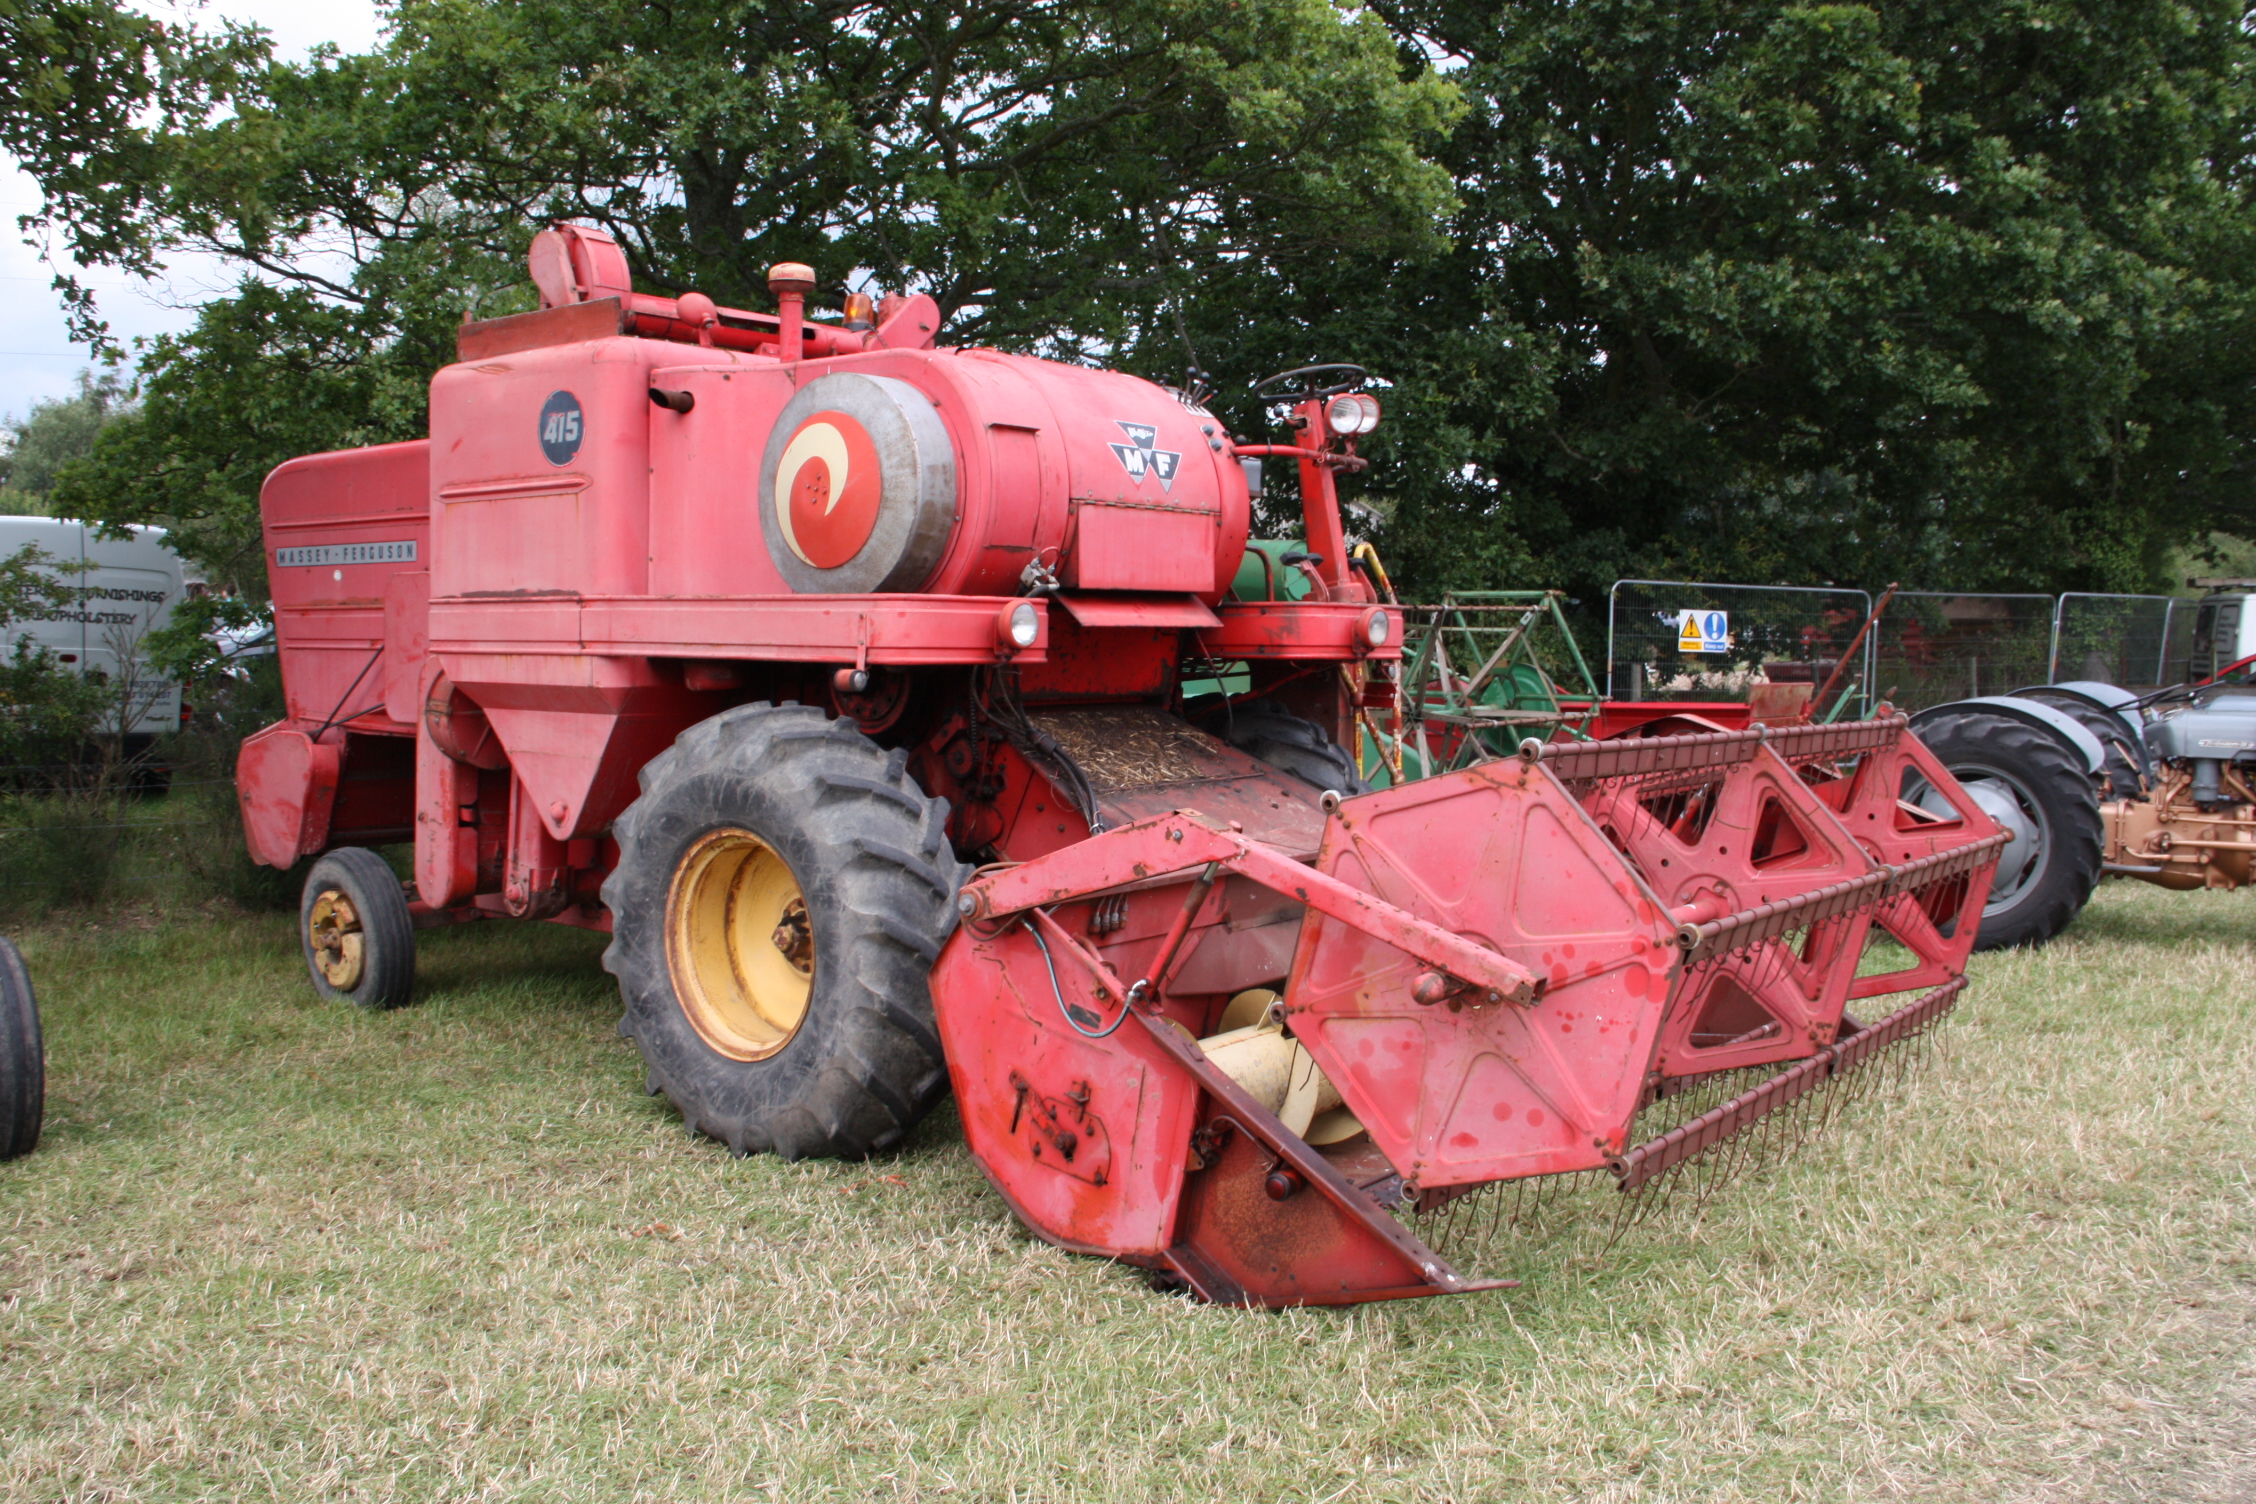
(1951, 292)
(55, 433)
(1054, 174)
(1955, 293)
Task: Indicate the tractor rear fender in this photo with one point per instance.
(2110, 713)
(2044, 717)
(2099, 694)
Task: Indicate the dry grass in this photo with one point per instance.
(272, 1249)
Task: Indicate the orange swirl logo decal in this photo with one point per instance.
(828, 490)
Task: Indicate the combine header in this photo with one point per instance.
(841, 679)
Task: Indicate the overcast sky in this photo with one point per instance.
(36, 359)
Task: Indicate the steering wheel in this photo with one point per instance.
(1305, 383)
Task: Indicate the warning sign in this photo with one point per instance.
(1703, 632)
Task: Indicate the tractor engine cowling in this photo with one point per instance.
(946, 472)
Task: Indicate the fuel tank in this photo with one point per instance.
(624, 466)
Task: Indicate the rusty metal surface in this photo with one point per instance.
(1328, 1243)
(1629, 756)
(1142, 762)
(1805, 743)
(1768, 921)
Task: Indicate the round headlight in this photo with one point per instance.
(1378, 629)
(1021, 624)
(1351, 414)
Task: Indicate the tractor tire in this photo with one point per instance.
(23, 1058)
(1296, 746)
(783, 889)
(355, 931)
(2040, 794)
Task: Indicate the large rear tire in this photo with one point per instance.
(23, 1058)
(355, 931)
(2045, 800)
(1297, 746)
(783, 889)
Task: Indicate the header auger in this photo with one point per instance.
(841, 678)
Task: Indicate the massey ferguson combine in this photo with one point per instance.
(839, 676)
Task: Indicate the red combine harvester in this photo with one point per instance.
(742, 637)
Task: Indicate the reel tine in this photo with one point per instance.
(1743, 1144)
(1775, 1127)
(1763, 1152)
(1707, 1165)
(1628, 1212)
(1821, 1111)
(1662, 1193)
(1860, 1085)
(1664, 1188)
(1727, 1157)
(1837, 1088)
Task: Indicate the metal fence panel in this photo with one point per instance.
(1777, 634)
(2140, 642)
(1940, 645)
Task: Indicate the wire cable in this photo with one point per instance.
(1065, 1008)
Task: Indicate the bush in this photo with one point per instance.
(215, 862)
(57, 851)
(72, 842)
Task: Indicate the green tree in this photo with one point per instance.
(55, 433)
(92, 95)
(1956, 293)
(1054, 175)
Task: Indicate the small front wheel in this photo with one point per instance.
(23, 1058)
(353, 925)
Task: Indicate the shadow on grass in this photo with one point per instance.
(2126, 913)
(543, 968)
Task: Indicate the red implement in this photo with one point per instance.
(1485, 979)
(746, 637)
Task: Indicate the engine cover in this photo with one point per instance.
(2222, 731)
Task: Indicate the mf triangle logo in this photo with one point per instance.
(1142, 456)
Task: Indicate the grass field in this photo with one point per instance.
(274, 1249)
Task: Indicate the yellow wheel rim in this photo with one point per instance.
(740, 944)
(340, 949)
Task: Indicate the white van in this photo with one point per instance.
(130, 590)
(2224, 626)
